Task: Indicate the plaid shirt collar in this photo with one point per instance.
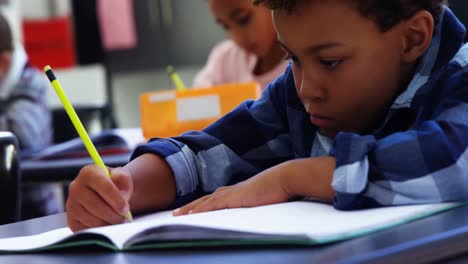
(449, 33)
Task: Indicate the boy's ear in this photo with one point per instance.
(417, 36)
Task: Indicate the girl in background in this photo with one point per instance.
(251, 54)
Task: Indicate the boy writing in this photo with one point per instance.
(372, 111)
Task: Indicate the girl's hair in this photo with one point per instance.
(385, 13)
(6, 42)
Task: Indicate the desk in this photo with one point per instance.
(436, 238)
(64, 169)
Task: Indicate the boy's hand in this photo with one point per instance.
(97, 200)
(264, 188)
(307, 177)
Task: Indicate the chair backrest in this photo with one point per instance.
(86, 88)
(94, 119)
(9, 179)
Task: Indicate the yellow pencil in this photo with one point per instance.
(78, 125)
(175, 78)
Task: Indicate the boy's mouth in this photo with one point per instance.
(321, 121)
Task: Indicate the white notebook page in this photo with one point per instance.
(316, 220)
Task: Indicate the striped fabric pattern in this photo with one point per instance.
(25, 111)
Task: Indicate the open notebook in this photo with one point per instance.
(293, 223)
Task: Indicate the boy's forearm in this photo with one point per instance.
(310, 177)
(153, 183)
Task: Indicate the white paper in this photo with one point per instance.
(199, 107)
(133, 136)
(303, 217)
(35, 241)
(162, 97)
(315, 220)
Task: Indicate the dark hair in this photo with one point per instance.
(6, 40)
(385, 13)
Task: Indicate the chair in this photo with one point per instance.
(9, 179)
(94, 119)
(86, 87)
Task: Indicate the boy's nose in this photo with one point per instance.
(311, 88)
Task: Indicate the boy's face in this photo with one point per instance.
(346, 72)
(250, 27)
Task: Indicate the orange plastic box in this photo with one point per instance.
(170, 113)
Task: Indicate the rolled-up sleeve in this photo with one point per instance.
(250, 139)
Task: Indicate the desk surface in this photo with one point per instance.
(437, 238)
(64, 169)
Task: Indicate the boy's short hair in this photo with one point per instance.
(385, 13)
(6, 39)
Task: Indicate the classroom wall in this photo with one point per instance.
(184, 36)
(188, 37)
(128, 87)
(38, 9)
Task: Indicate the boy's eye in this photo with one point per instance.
(331, 63)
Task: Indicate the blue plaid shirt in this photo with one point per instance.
(418, 154)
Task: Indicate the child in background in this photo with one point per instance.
(252, 53)
(24, 112)
(23, 93)
(372, 111)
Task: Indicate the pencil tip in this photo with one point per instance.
(128, 216)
